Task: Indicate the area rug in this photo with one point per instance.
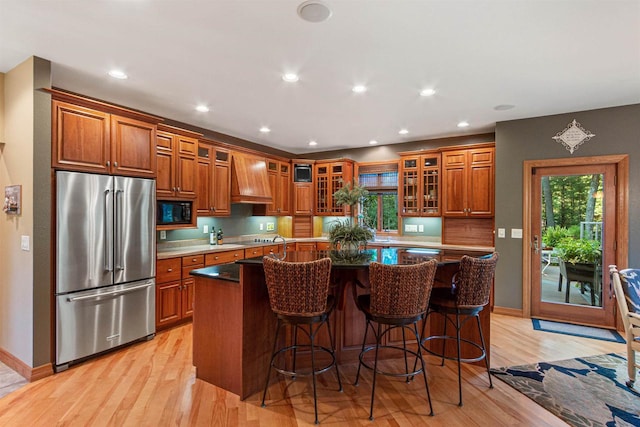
(577, 330)
(586, 391)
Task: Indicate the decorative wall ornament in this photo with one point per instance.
(573, 136)
(12, 200)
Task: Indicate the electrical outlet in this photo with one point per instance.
(501, 233)
(420, 228)
(261, 226)
(163, 234)
(411, 228)
(205, 229)
(516, 233)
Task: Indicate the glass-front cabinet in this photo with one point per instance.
(329, 178)
(420, 185)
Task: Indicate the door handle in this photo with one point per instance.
(536, 244)
(119, 240)
(108, 264)
(108, 294)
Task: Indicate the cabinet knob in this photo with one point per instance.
(108, 163)
(169, 270)
(115, 164)
(235, 255)
(178, 189)
(215, 257)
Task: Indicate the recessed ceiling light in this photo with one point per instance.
(373, 142)
(290, 77)
(314, 11)
(312, 143)
(359, 88)
(427, 92)
(265, 129)
(202, 108)
(463, 124)
(118, 74)
(503, 107)
(403, 131)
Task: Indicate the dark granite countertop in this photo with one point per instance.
(227, 272)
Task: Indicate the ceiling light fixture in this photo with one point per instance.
(503, 107)
(403, 131)
(359, 88)
(313, 143)
(427, 92)
(314, 11)
(463, 124)
(373, 142)
(118, 74)
(265, 129)
(290, 77)
(202, 108)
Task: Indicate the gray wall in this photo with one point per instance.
(617, 131)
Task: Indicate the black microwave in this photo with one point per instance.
(173, 212)
(302, 173)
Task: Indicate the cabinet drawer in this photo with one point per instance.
(187, 269)
(192, 260)
(168, 270)
(223, 257)
(271, 249)
(253, 252)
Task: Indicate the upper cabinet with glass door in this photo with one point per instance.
(420, 184)
(330, 177)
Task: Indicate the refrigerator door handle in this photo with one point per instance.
(108, 294)
(108, 262)
(119, 250)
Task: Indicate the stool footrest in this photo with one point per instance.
(447, 337)
(309, 372)
(391, 374)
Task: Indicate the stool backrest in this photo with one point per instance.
(401, 290)
(630, 281)
(297, 288)
(473, 280)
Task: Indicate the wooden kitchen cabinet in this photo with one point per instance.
(279, 176)
(223, 257)
(87, 137)
(174, 289)
(468, 182)
(302, 198)
(420, 185)
(177, 163)
(214, 180)
(329, 178)
(305, 246)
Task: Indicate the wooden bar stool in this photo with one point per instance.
(398, 299)
(466, 298)
(298, 294)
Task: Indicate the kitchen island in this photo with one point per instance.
(233, 325)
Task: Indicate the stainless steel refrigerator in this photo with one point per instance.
(105, 263)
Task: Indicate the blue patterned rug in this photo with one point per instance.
(586, 391)
(577, 330)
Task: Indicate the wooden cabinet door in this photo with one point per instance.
(188, 286)
(322, 193)
(284, 189)
(409, 186)
(272, 176)
(165, 180)
(302, 198)
(305, 246)
(186, 167)
(222, 189)
(133, 147)
(204, 190)
(481, 192)
(80, 138)
(454, 182)
(168, 303)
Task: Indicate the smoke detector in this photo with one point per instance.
(314, 11)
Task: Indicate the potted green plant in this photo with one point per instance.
(579, 262)
(349, 234)
(553, 235)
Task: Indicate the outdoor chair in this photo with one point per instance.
(626, 285)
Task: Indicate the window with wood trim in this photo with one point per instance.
(380, 207)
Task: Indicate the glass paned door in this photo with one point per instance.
(573, 238)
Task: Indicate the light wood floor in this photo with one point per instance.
(153, 384)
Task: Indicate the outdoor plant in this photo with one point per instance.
(553, 235)
(579, 251)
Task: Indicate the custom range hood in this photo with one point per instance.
(249, 180)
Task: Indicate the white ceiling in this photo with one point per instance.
(544, 57)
